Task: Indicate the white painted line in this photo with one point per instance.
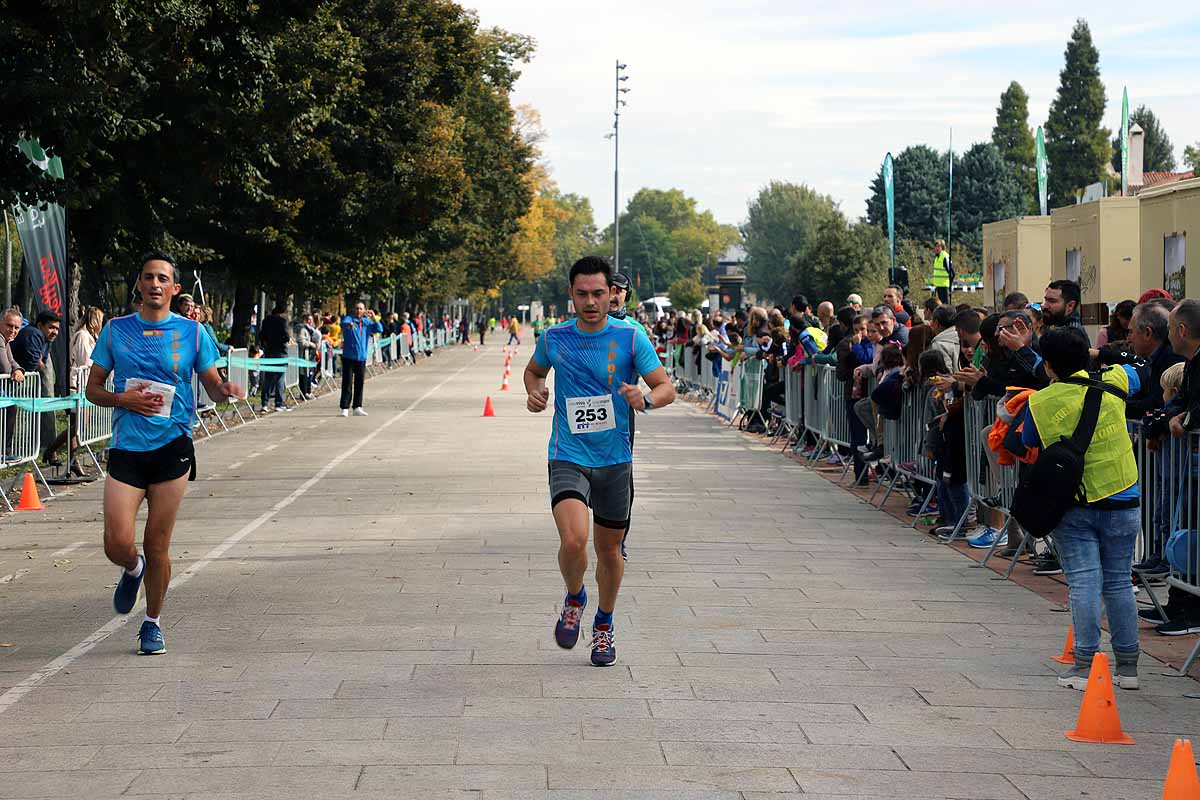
(68, 549)
(255, 454)
(236, 464)
(13, 696)
(13, 576)
(269, 448)
(285, 439)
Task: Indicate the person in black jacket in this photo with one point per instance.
(273, 337)
(1148, 350)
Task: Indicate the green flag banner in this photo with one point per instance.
(889, 193)
(1125, 143)
(1041, 171)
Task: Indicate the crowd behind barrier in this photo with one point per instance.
(763, 386)
(22, 405)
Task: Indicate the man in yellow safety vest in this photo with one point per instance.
(940, 279)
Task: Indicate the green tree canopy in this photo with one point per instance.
(920, 180)
(1077, 145)
(781, 221)
(986, 189)
(1014, 139)
(686, 294)
(1158, 154)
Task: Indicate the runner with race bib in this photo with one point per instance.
(596, 366)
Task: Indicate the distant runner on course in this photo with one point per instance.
(596, 363)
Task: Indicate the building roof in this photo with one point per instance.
(1150, 179)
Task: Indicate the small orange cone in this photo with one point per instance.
(488, 411)
(1099, 721)
(1182, 781)
(504, 384)
(29, 495)
(1068, 653)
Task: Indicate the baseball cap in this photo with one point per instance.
(620, 280)
(854, 298)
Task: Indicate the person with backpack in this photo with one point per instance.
(1084, 487)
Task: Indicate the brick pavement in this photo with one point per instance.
(388, 633)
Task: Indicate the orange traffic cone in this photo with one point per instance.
(1182, 781)
(1068, 653)
(29, 495)
(1099, 721)
(488, 411)
(504, 384)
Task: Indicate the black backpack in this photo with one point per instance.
(1054, 484)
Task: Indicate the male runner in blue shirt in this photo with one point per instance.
(597, 364)
(153, 354)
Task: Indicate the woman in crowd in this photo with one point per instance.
(1117, 329)
(83, 342)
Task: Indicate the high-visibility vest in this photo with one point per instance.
(1109, 465)
(941, 273)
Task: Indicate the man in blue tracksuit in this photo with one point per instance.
(357, 331)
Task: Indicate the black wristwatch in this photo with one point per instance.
(648, 401)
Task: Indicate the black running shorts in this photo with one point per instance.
(140, 469)
(605, 490)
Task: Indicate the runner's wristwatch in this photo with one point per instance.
(649, 402)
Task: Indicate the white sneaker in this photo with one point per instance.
(358, 412)
(345, 412)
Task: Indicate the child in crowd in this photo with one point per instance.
(253, 352)
(945, 440)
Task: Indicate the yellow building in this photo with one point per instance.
(1098, 245)
(1016, 258)
(1170, 237)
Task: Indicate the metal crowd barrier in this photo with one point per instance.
(904, 446)
(986, 486)
(95, 422)
(291, 376)
(239, 373)
(750, 399)
(793, 399)
(1169, 480)
(21, 430)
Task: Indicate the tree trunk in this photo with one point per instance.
(243, 306)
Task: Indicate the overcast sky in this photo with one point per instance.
(726, 96)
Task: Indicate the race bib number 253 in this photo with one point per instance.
(590, 414)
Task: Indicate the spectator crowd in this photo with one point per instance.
(1027, 363)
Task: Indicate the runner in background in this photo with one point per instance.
(618, 312)
(589, 450)
(152, 355)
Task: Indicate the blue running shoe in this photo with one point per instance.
(604, 651)
(150, 640)
(566, 631)
(986, 537)
(126, 594)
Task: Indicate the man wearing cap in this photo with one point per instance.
(855, 302)
(618, 313)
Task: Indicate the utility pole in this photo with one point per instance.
(8, 248)
(618, 90)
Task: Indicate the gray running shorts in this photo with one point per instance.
(605, 490)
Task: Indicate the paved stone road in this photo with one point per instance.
(386, 632)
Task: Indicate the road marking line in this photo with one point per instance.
(236, 464)
(13, 696)
(270, 447)
(68, 549)
(255, 454)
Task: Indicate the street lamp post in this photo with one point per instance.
(618, 90)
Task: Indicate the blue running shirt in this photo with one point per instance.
(167, 352)
(588, 365)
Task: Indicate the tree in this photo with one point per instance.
(1077, 146)
(1191, 157)
(781, 221)
(986, 189)
(686, 294)
(1158, 154)
(920, 180)
(1014, 139)
(843, 258)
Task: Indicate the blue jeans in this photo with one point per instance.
(952, 501)
(1096, 551)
